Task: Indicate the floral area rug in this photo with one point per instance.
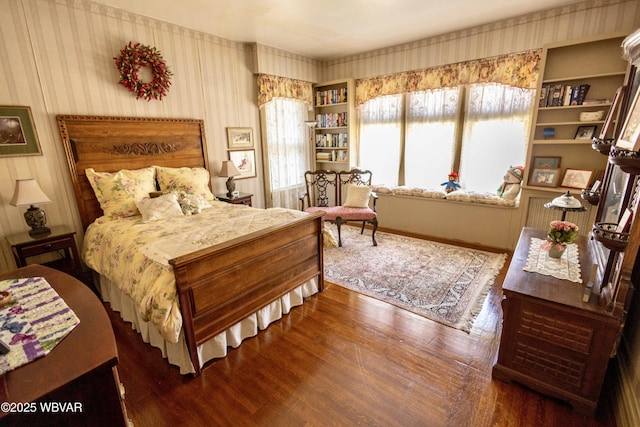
(444, 283)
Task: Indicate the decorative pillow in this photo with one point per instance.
(196, 201)
(161, 207)
(189, 180)
(118, 192)
(357, 196)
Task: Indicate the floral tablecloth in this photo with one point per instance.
(566, 267)
(34, 322)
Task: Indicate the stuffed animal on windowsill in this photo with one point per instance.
(452, 184)
(510, 187)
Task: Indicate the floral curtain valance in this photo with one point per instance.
(516, 69)
(270, 87)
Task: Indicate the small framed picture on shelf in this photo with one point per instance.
(239, 138)
(245, 161)
(608, 121)
(546, 162)
(585, 132)
(576, 178)
(630, 135)
(625, 221)
(545, 177)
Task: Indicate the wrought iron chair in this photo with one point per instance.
(343, 197)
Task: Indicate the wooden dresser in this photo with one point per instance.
(77, 383)
(552, 341)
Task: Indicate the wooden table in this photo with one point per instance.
(238, 199)
(61, 238)
(79, 375)
(552, 341)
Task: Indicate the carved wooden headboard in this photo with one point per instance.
(109, 144)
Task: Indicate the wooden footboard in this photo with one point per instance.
(223, 284)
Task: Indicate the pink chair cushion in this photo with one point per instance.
(347, 214)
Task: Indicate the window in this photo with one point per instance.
(479, 130)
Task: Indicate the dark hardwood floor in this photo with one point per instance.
(343, 359)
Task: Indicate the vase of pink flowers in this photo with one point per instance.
(560, 234)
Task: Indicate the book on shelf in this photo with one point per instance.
(559, 95)
(331, 120)
(578, 94)
(333, 140)
(331, 96)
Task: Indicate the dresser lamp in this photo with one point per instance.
(566, 203)
(229, 170)
(28, 193)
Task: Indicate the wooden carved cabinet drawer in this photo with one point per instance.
(42, 248)
(552, 341)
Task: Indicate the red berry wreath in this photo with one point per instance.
(135, 56)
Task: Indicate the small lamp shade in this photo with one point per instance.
(566, 203)
(29, 193)
(229, 170)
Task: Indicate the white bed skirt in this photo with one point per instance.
(177, 354)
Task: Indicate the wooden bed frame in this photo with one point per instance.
(217, 286)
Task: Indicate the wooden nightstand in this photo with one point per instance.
(61, 239)
(240, 199)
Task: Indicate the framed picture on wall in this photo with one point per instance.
(576, 178)
(245, 161)
(17, 134)
(545, 177)
(239, 138)
(546, 162)
(630, 134)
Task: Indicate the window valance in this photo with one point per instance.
(270, 87)
(515, 69)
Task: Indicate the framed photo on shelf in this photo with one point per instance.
(239, 138)
(546, 162)
(17, 134)
(630, 134)
(545, 177)
(585, 132)
(576, 178)
(608, 121)
(625, 221)
(245, 161)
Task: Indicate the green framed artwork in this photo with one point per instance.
(18, 136)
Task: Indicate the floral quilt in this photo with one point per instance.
(134, 254)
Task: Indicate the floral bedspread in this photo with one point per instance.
(134, 254)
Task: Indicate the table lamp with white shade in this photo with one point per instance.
(28, 193)
(229, 170)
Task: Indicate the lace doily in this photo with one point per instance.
(567, 267)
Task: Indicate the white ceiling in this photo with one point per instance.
(326, 29)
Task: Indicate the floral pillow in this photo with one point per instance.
(189, 180)
(162, 207)
(118, 192)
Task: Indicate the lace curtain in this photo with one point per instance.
(380, 137)
(497, 119)
(286, 144)
(432, 117)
